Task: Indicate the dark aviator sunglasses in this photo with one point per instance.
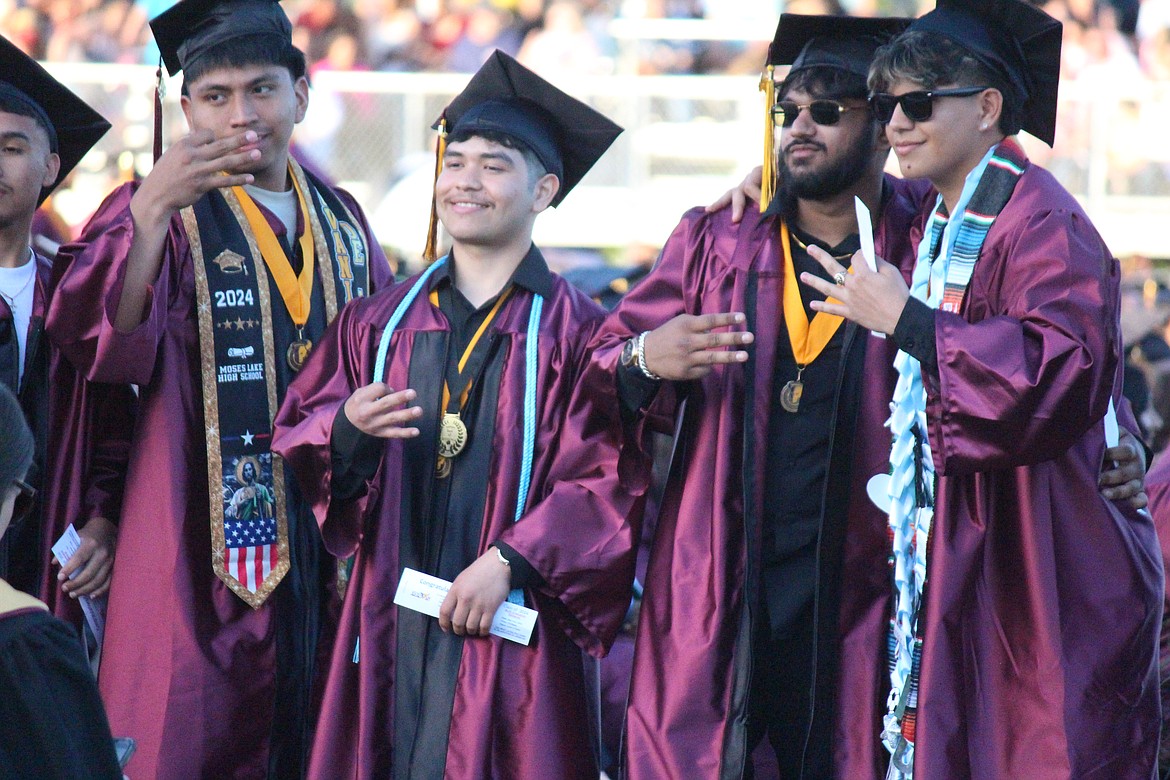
(918, 105)
(823, 112)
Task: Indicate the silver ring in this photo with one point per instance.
(839, 278)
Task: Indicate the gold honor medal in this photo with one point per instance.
(452, 435)
(452, 429)
(790, 395)
(298, 353)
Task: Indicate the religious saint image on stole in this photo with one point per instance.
(249, 517)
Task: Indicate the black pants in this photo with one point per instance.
(779, 704)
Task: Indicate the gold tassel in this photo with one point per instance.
(768, 184)
(430, 252)
(160, 92)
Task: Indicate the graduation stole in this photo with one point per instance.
(946, 262)
(808, 338)
(531, 354)
(246, 481)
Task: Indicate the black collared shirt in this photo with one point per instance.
(796, 456)
(532, 274)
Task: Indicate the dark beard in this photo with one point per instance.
(824, 183)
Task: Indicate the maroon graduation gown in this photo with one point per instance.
(1158, 489)
(518, 712)
(1044, 599)
(693, 658)
(81, 452)
(188, 668)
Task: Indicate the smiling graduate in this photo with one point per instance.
(430, 430)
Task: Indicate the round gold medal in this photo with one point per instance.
(298, 353)
(452, 435)
(790, 395)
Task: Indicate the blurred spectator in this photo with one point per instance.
(1144, 317)
(319, 23)
(564, 48)
(95, 31)
(24, 27)
(395, 39)
(661, 56)
(485, 29)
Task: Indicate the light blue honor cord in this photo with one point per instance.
(530, 360)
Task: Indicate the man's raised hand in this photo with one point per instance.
(872, 299)
(379, 411)
(192, 167)
(686, 348)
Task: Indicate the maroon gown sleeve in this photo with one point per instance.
(602, 470)
(582, 535)
(1158, 489)
(90, 274)
(1034, 372)
(88, 450)
(303, 428)
(662, 295)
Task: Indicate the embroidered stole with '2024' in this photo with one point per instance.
(238, 359)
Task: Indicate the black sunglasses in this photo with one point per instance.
(917, 105)
(23, 503)
(823, 112)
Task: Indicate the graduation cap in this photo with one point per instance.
(191, 28)
(1016, 40)
(845, 43)
(73, 126)
(566, 135)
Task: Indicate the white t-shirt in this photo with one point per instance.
(281, 204)
(18, 287)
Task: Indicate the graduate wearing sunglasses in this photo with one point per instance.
(1026, 606)
(767, 570)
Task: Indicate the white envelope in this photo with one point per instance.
(424, 593)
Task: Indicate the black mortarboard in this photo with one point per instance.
(503, 96)
(846, 43)
(73, 126)
(1016, 40)
(191, 28)
(566, 135)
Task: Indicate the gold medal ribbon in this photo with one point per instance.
(434, 297)
(296, 290)
(808, 339)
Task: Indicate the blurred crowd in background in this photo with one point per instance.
(1104, 39)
